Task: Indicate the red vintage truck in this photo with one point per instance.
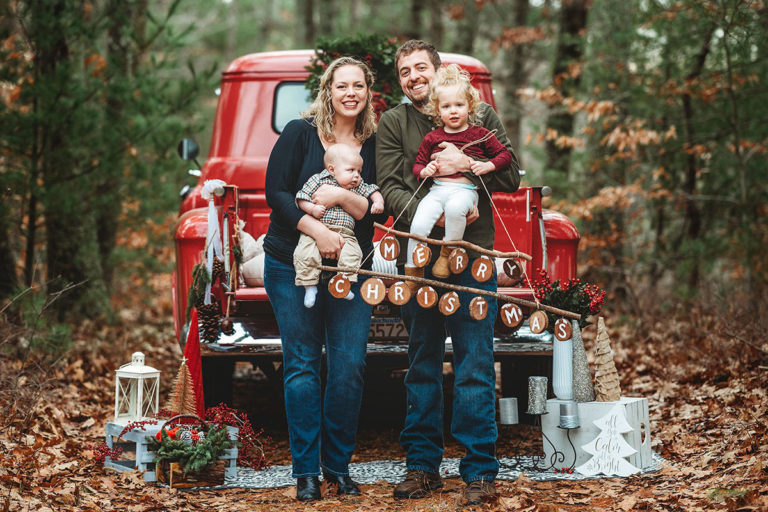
(259, 94)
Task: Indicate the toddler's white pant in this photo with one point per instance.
(455, 200)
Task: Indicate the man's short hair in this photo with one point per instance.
(415, 45)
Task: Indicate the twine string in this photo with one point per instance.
(482, 139)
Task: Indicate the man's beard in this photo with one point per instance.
(421, 103)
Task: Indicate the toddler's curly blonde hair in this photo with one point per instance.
(450, 76)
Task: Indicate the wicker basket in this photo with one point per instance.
(171, 473)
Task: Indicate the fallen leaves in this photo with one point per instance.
(708, 409)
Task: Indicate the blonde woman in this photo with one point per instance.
(322, 429)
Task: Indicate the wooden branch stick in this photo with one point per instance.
(457, 243)
(459, 288)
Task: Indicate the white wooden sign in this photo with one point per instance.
(609, 448)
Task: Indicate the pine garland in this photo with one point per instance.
(200, 278)
(192, 457)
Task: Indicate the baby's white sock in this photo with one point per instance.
(310, 293)
(350, 296)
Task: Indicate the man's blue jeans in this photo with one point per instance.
(319, 433)
(474, 407)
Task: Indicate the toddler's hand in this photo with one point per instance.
(480, 168)
(377, 202)
(430, 170)
(318, 210)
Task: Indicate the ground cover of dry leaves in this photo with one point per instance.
(705, 379)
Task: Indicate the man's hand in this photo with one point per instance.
(451, 159)
(471, 217)
(378, 202)
(430, 170)
(327, 195)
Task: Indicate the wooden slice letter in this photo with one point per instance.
(373, 291)
(449, 303)
(426, 296)
(399, 293)
(513, 269)
(389, 248)
(421, 255)
(482, 269)
(478, 308)
(538, 322)
(511, 315)
(339, 286)
(563, 329)
(458, 260)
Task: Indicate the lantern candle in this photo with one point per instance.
(569, 415)
(137, 390)
(537, 395)
(508, 411)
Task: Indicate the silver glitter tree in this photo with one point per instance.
(583, 389)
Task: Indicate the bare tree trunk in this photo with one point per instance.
(692, 212)
(328, 16)
(72, 246)
(515, 76)
(354, 13)
(231, 37)
(9, 281)
(573, 21)
(467, 28)
(415, 25)
(307, 32)
(436, 26)
(268, 22)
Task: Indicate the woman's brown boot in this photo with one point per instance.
(440, 268)
(413, 272)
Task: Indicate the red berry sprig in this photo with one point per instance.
(137, 425)
(101, 451)
(253, 444)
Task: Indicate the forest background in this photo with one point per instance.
(648, 118)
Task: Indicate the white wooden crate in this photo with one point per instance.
(637, 417)
(134, 442)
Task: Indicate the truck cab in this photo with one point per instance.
(259, 94)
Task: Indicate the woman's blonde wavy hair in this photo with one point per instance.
(322, 109)
(450, 76)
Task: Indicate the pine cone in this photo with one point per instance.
(209, 315)
(218, 270)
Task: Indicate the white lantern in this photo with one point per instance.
(137, 390)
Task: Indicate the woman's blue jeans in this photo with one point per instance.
(321, 429)
(473, 423)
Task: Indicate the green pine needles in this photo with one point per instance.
(193, 457)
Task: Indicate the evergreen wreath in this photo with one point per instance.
(377, 51)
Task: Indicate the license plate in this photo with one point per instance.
(387, 329)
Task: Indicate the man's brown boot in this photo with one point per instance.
(417, 484)
(413, 272)
(479, 491)
(440, 268)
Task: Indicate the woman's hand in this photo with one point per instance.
(327, 195)
(330, 196)
(329, 243)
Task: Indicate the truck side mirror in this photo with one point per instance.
(188, 150)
